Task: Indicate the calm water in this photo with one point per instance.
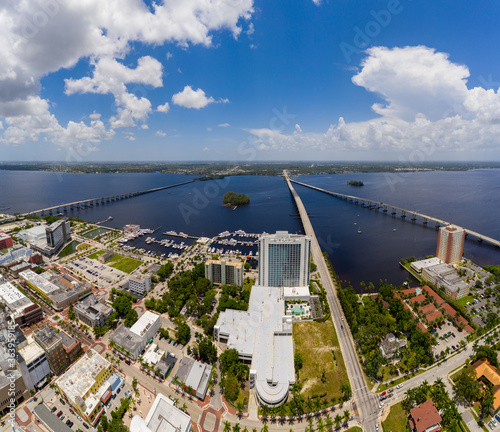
(470, 199)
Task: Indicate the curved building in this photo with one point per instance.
(263, 338)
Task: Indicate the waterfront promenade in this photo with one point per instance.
(365, 402)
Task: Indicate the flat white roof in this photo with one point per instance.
(146, 320)
(12, 297)
(31, 351)
(153, 355)
(296, 291)
(162, 417)
(81, 376)
(265, 333)
(419, 265)
(42, 284)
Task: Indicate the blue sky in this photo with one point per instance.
(249, 80)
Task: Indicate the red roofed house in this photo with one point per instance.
(449, 310)
(468, 329)
(427, 308)
(462, 320)
(425, 418)
(422, 327)
(433, 317)
(409, 292)
(418, 299)
(431, 293)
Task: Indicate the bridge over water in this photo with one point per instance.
(403, 213)
(88, 203)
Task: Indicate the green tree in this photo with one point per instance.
(131, 318)
(183, 333)
(337, 420)
(298, 362)
(207, 351)
(231, 388)
(71, 313)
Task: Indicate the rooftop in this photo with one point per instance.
(15, 300)
(425, 415)
(39, 282)
(46, 335)
(162, 417)
(78, 380)
(419, 265)
(143, 324)
(31, 351)
(265, 334)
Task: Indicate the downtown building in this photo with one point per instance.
(51, 342)
(85, 385)
(139, 283)
(222, 272)
(262, 335)
(131, 341)
(22, 310)
(450, 246)
(284, 260)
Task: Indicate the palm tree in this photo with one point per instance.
(333, 400)
(245, 429)
(265, 428)
(184, 407)
(320, 425)
(347, 416)
(309, 404)
(240, 407)
(337, 420)
(227, 426)
(282, 411)
(265, 411)
(236, 427)
(329, 423)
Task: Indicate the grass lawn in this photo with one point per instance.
(123, 263)
(396, 421)
(354, 429)
(317, 342)
(82, 247)
(95, 255)
(69, 249)
(462, 301)
(247, 286)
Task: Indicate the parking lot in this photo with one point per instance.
(98, 273)
(448, 337)
(57, 405)
(479, 310)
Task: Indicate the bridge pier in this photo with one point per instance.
(403, 214)
(425, 221)
(414, 218)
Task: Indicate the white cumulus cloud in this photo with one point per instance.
(426, 104)
(165, 108)
(189, 98)
(40, 37)
(224, 125)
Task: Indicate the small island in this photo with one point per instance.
(235, 199)
(355, 183)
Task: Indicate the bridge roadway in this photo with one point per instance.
(378, 204)
(366, 402)
(90, 202)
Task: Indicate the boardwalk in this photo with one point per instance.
(376, 205)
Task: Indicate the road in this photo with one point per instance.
(366, 402)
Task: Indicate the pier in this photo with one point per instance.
(403, 213)
(94, 202)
